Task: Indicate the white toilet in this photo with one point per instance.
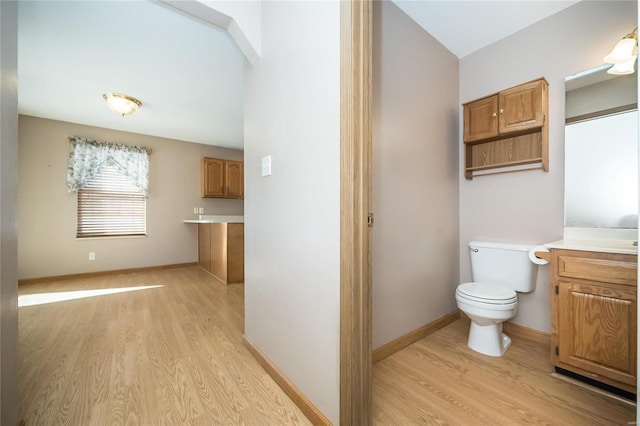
(499, 270)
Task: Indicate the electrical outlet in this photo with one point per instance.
(92, 255)
(201, 210)
(195, 210)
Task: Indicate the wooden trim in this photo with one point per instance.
(413, 336)
(506, 164)
(527, 333)
(597, 114)
(355, 204)
(593, 389)
(27, 281)
(298, 398)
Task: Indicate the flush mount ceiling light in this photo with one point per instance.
(622, 56)
(122, 104)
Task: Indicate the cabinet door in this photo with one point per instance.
(521, 107)
(597, 328)
(234, 176)
(480, 119)
(204, 246)
(212, 177)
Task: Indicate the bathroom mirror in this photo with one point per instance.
(601, 150)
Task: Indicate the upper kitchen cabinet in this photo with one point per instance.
(234, 177)
(507, 129)
(222, 178)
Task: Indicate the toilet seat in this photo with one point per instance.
(488, 293)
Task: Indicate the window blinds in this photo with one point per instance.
(111, 205)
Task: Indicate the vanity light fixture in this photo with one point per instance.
(121, 104)
(622, 56)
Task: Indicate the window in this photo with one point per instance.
(111, 205)
(112, 182)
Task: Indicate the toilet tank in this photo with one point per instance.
(506, 264)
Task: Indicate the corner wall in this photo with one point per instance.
(9, 395)
(529, 206)
(292, 218)
(47, 244)
(415, 176)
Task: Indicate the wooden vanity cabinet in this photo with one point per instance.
(508, 128)
(593, 322)
(222, 178)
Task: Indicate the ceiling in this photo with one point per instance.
(464, 27)
(189, 75)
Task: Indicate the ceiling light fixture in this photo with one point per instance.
(122, 104)
(622, 56)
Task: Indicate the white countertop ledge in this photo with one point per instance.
(605, 246)
(209, 218)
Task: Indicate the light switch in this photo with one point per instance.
(266, 166)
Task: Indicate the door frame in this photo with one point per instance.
(355, 205)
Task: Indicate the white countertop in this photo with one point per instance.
(210, 218)
(606, 246)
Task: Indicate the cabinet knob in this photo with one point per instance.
(501, 111)
(494, 115)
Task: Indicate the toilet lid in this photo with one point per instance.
(488, 293)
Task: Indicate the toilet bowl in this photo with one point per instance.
(498, 270)
(487, 306)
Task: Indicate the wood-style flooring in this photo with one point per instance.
(169, 355)
(174, 355)
(439, 380)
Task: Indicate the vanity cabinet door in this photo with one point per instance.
(597, 329)
(593, 315)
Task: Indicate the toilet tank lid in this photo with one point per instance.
(501, 245)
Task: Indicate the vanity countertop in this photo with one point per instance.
(209, 218)
(606, 246)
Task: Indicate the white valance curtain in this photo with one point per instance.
(88, 157)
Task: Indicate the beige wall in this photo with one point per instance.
(292, 218)
(9, 396)
(415, 176)
(47, 245)
(529, 206)
(614, 93)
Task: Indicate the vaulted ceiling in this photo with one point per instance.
(188, 74)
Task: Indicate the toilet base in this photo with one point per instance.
(488, 339)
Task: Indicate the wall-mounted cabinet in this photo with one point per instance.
(222, 178)
(507, 129)
(593, 315)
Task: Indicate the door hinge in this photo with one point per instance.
(557, 351)
(370, 220)
(556, 289)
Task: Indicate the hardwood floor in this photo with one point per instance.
(174, 355)
(438, 380)
(170, 355)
